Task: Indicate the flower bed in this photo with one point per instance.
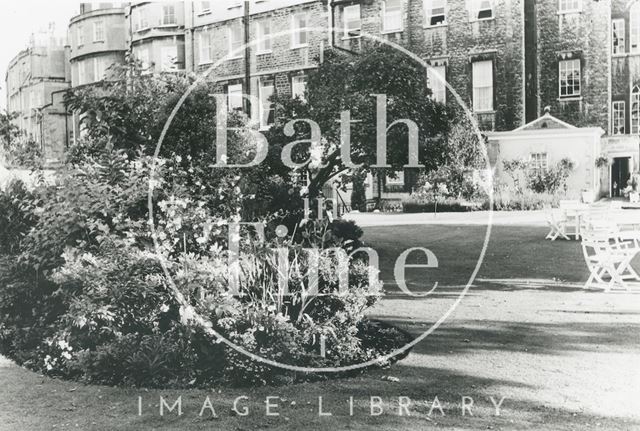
(86, 296)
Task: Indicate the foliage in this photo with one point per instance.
(553, 179)
(15, 216)
(602, 162)
(516, 170)
(129, 111)
(344, 82)
(414, 204)
(9, 132)
(115, 318)
(508, 200)
(15, 146)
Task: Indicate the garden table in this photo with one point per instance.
(573, 212)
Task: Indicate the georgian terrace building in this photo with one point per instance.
(510, 61)
(36, 80)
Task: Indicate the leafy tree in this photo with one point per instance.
(130, 110)
(348, 83)
(9, 132)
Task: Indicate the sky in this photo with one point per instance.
(20, 18)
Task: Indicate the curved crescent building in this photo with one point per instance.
(97, 40)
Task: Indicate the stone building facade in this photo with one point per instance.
(155, 34)
(97, 40)
(36, 80)
(274, 47)
(508, 61)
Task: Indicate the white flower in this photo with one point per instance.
(178, 159)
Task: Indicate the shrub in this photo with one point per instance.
(551, 180)
(506, 200)
(16, 216)
(98, 306)
(418, 205)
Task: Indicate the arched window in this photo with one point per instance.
(635, 109)
(634, 28)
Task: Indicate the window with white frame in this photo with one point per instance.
(98, 31)
(436, 11)
(205, 7)
(98, 69)
(618, 117)
(566, 6)
(168, 14)
(635, 110)
(169, 58)
(298, 86)
(569, 79)
(352, 20)
(617, 36)
(634, 28)
(264, 36)
(266, 108)
(235, 40)
(80, 35)
(204, 41)
(436, 78)
(482, 76)
(480, 9)
(299, 36)
(392, 15)
(538, 162)
(234, 97)
(141, 21)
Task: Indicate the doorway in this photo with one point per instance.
(619, 176)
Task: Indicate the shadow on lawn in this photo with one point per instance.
(539, 338)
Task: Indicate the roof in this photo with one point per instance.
(546, 126)
(547, 121)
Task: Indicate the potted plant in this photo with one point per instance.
(587, 196)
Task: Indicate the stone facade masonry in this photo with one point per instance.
(524, 39)
(581, 35)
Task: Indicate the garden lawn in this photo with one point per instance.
(563, 358)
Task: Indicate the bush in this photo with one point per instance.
(418, 205)
(16, 216)
(95, 304)
(506, 200)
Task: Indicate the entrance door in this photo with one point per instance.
(619, 175)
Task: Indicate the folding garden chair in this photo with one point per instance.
(607, 256)
(556, 226)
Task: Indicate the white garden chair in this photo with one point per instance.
(593, 216)
(608, 256)
(556, 226)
